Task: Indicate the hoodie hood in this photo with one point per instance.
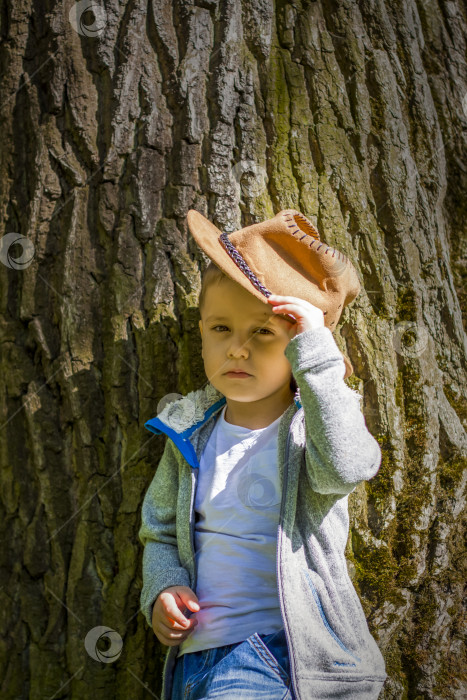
(180, 418)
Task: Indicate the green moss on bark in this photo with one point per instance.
(375, 570)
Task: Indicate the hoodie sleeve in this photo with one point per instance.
(340, 450)
(161, 563)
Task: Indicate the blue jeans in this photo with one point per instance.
(257, 668)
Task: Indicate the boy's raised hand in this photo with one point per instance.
(307, 315)
(170, 625)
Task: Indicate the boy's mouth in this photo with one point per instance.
(237, 374)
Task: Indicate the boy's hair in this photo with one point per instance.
(213, 275)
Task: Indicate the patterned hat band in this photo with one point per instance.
(242, 264)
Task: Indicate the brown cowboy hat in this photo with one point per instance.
(283, 255)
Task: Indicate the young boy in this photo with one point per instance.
(245, 522)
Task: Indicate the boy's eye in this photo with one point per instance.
(256, 332)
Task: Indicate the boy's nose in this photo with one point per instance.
(237, 355)
(238, 351)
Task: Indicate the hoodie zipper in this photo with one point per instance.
(279, 545)
(195, 472)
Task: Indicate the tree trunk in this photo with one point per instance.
(114, 124)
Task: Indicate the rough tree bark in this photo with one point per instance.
(114, 124)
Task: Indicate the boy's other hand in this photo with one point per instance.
(307, 315)
(170, 625)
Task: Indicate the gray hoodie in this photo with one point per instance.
(324, 451)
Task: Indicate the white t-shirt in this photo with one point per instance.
(237, 502)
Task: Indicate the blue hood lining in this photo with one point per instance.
(182, 440)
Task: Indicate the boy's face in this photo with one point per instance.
(240, 332)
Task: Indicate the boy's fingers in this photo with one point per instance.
(288, 301)
(286, 305)
(173, 611)
(279, 297)
(167, 629)
(170, 637)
